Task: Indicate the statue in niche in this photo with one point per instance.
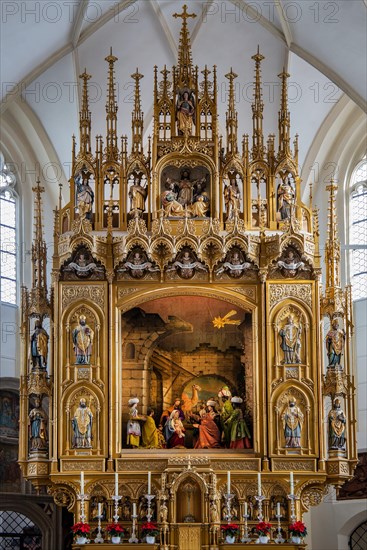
(291, 341)
(289, 266)
(234, 264)
(337, 423)
(83, 265)
(38, 427)
(232, 198)
(137, 194)
(185, 112)
(82, 423)
(292, 418)
(186, 265)
(335, 340)
(137, 265)
(39, 346)
(84, 194)
(83, 342)
(286, 199)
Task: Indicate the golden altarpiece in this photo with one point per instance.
(184, 273)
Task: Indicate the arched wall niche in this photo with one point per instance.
(304, 401)
(69, 444)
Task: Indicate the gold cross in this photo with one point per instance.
(184, 15)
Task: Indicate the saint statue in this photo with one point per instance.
(292, 418)
(39, 346)
(82, 422)
(337, 422)
(138, 195)
(335, 339)
(84, 194)
(232, 198)
(83, 342)
(38, 427)
(185, 113)
(291, 341)
(286, 199)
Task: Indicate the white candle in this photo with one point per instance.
(149, 483)
(278, 509)
(134, 508)
(259, 484)
(99, 509)
(82, 483)
(292, 482)
(228, 482)
(245, 509)
(116, 484)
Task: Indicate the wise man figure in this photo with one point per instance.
(82, 422)
(83, 342)
(226, 411)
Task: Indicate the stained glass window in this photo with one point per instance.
(358, 231)
(8, 236)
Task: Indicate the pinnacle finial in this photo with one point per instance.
(185, 68)
(257, 110)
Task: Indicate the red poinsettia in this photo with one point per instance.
(149, 529)
(230, 529)
(115, 529)
(263, 528)
(81, 529)
(298, 529)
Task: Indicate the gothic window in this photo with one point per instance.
(358, 230)
(358, 539)
(8, 235)
(18, 531)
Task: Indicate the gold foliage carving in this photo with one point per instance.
(295, 465)
(77, 465)
(280, 292)
(94, 293)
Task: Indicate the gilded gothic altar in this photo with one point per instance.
(187, 332)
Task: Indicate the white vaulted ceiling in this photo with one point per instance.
(46, 45)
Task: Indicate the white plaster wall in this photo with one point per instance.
(10, 341)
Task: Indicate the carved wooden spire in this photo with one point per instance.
(85, 119)
(137, 117)
(231, 117)
(284, 118)
(185, 68)
(38, 295)
(257, 110)
(332, 245)
(111, 110)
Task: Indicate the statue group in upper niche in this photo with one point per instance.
(186, 197)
